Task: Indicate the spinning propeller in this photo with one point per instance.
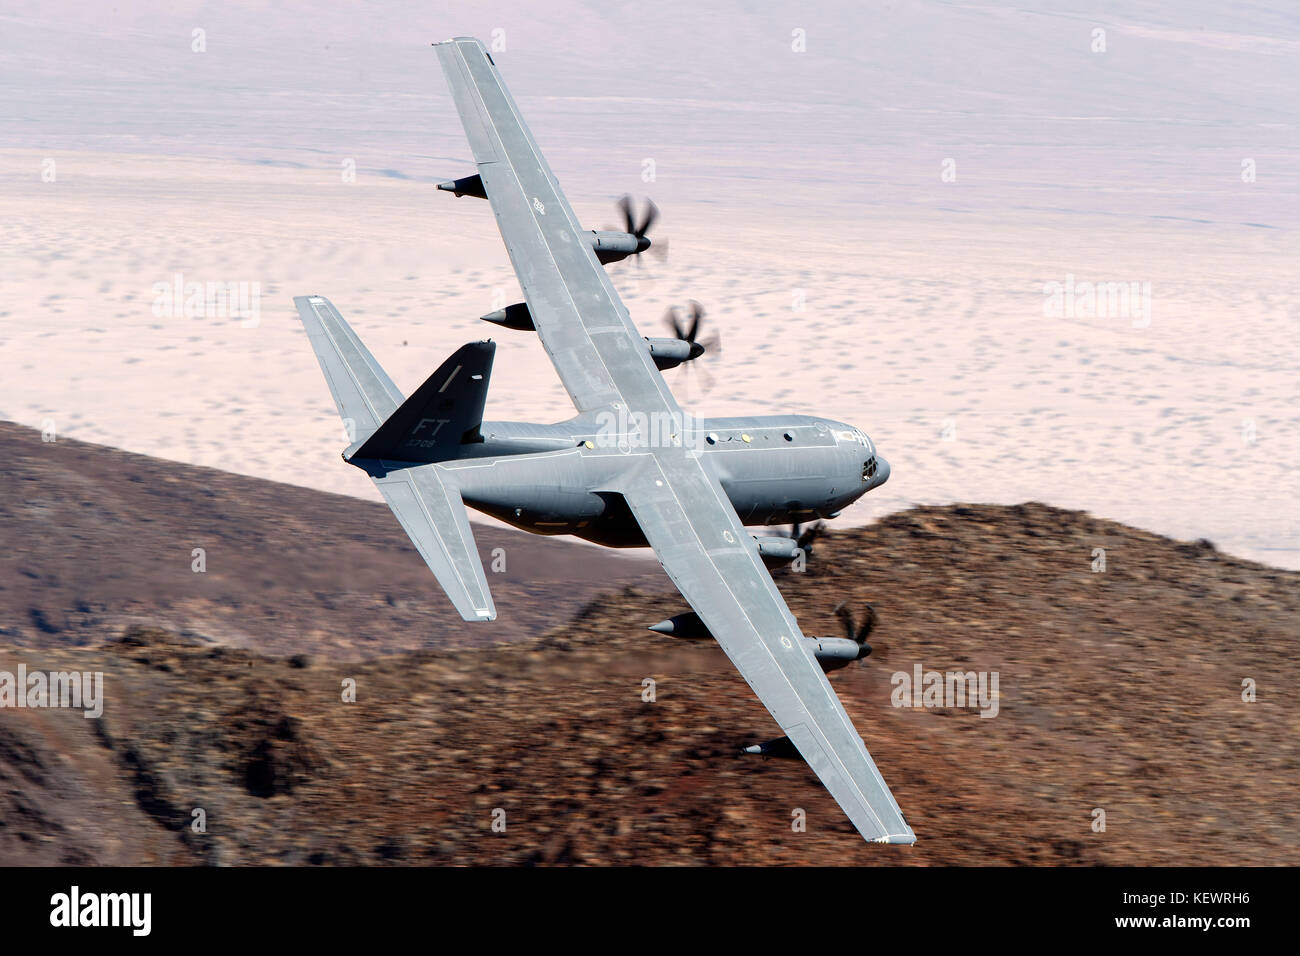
(854, 632)
(688, 330)
(641, 230)
(808, 536)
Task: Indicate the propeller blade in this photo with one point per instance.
(625, 204)
(846, 619)
(694, 372)
(671, 319)
(706, 379)
(651, 214)
(868, 625)
(811, 535)
(697, 313)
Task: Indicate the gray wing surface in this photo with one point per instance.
(674, 495)
(583, 325)
(708, 554)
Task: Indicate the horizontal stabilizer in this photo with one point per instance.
(431, 511)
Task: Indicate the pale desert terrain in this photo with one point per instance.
(782, 176)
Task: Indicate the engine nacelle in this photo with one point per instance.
(670, 353)
(615, 246)
(776, 550)
(666, 353)
(832, 653)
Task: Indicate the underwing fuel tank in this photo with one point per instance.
(469, 186)
(781, 748)
(514, 316)
(686, 625)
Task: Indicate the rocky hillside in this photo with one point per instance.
(95, 539)
(1119, 690)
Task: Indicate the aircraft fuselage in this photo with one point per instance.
(774, 469)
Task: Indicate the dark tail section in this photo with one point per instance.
(443, 415)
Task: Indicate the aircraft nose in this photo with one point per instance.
(882, 472)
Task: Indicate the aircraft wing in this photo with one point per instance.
(701, 543)
(671, 490)
(583, 325)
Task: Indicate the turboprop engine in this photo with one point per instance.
(776, 550)
(666, 352)
(831, 653)
(610, 245)
(670, 353)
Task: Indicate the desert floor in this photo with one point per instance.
(804, 205)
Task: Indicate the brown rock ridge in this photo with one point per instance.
(1119, 691)
(96, 539)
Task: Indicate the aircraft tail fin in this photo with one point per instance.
(423, 496)
(442, 416)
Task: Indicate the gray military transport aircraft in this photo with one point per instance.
(630, 469)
